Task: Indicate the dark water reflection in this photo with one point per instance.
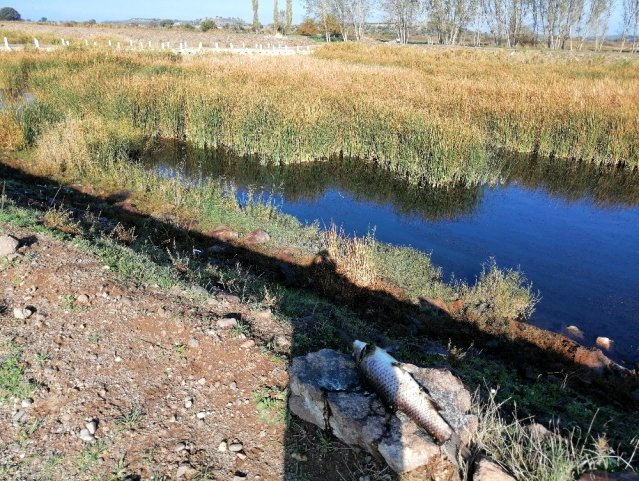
(573, 229)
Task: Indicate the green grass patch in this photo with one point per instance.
(12, 382)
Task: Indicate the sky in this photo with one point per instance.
(124, 9)
(81, 10)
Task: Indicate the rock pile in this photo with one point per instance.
(326, 390)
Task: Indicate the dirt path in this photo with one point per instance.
(171, 386)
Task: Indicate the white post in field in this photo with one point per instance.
(231, 46)
(86, 42)
(200, 46)
(149, 43)
(110, 45)
(118, 45)
(95, 44)
(131, 43)
(217, 46)
(36, 43)
(6, 43)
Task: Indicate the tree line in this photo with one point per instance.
(557, 24)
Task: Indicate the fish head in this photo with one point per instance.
(360, 349)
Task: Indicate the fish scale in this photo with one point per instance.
(398, 388)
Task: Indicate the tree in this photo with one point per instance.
(276, 17)
(597, 21)
(289, 15)
(402, 14)
(630, 23)
(358, 11)
(339, 9)
(8, 13)
(256, 18)
(321, 11)
(450, 17)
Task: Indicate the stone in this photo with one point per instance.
(247, 344)
(188, 402)
(92, 426)
(185, 471)
(222, 447)
(8, 245)
(487, 470)
(236, 447)
(224, 234)
(604, 343)
(574, 331)
(258, 236)
(86, 436)
(28, 402)
(406, 447)
(22, 313)
(18, 417)
(200, 415)
(592, 358)
(604, 476)
(226, 323)
(326, 390)
(82, 299)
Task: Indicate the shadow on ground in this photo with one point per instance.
(388, 318)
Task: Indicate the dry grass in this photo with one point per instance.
(498, 294)
(429, 116)
(534, 454)
(353, 257)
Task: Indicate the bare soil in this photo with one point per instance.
(133, 359)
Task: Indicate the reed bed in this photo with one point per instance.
(428, 116)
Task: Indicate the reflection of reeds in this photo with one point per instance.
(434, 120)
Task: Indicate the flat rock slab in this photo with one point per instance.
(327, 390)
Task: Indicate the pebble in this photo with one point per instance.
(92, 426)
(188, 402)
(233, 386)
(226, 323)
(247, 344)
(86, 436)
(236, 447)
(239, 476)
(22, 313)
(17, 417)
(604, 342)
(26, 402)
(82, 299)
(118, 359)
(201, 415)
(222, 447)
(193, 343)
(180, 447)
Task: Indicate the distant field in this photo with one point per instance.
(429, 115)
(52, 34)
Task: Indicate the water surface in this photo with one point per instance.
(572, 229)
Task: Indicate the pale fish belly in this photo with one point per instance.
(398, 388)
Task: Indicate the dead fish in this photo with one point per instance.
(397, 388)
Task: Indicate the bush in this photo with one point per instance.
(207, 25)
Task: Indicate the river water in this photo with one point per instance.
(572, 229)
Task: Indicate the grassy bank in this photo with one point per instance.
(595, 435)
(428, 116)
